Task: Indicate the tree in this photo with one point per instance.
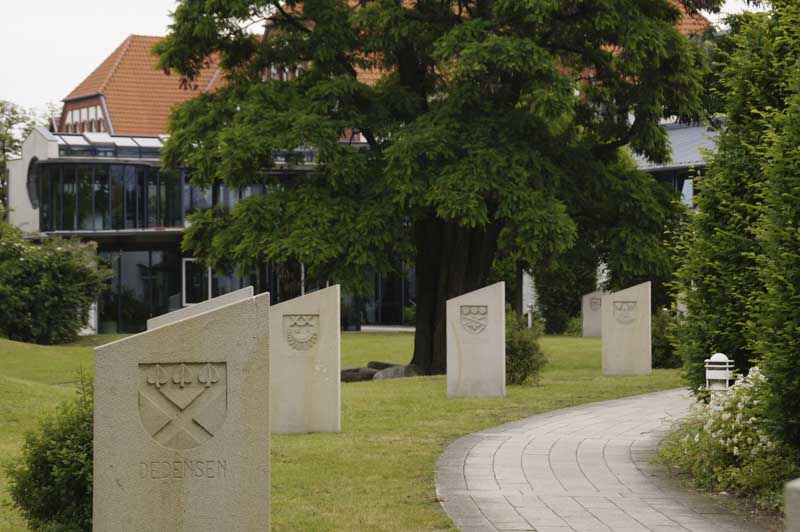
(484, 116)
(15, 124)
(718, 272)
(776, 331)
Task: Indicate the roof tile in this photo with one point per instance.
(139, 96)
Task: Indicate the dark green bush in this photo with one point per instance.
(46, 288)
(664, 355)
(524, 357)
(560, 285)
(410, 315)
(574, 326)
(51, 483)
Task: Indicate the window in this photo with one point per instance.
(95, 197)
(85, 198)
(196, 282)
(153, 198)
(170, 202)
(68, 198)
(102, 198)
(117, 196)
(144, 284)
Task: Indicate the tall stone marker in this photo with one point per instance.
(199, 308)
(181, 425)
(305, 363)
(591, 314)
(626, 332)
(476, 343)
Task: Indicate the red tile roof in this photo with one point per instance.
(139, 96)
(691, 24)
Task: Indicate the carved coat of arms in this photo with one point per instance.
(474, 318)
(595, 303)
(183, 405)
(301, 330)
(625, 312)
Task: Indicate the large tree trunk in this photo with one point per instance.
(451, 260)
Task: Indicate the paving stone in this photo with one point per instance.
(584, 468)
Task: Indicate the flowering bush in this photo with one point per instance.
(728, 444)
(46, 288)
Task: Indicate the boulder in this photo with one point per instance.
(358, 374)
(396, 372)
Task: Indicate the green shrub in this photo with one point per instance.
(574, 326)
(524, 357)
(664, 355)
(46, 288)
(410, 315)
(51, 483)
(728, 445)
(776, 332)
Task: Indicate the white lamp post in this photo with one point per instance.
(719, 372)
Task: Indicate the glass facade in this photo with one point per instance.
(97, 197)
(391, 295)
(145, 283)
(150, 276)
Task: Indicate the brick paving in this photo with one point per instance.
(579, 469)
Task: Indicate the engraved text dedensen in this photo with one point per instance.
(158, 469)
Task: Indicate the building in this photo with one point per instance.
(98, 176)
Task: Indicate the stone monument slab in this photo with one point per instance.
(198, 308)
(305, 363)
(627, 344)
(181, 425)
(592, 314)
(476, 343)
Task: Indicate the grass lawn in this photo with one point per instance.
(378, 474)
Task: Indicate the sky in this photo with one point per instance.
(47, 47)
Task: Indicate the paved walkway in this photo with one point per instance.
(585, 469)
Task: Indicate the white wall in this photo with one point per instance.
(42, 145)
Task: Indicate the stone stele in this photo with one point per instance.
(305, 363)
(181, 425)
(591, 314)
(198, 308)
(476, 343)
(626, 332)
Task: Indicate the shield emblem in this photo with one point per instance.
(595, 303)
(474, 318)
(625, 312)
(183, 405)
(301, 330)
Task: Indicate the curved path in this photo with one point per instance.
(584, 468)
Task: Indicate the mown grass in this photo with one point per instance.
(378, 473)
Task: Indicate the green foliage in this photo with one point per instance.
(718, 272)
(727, 445)
(524, 356)
(574, 326)
(664, 355)
(410, 315)
(47, 287)
(561, 283)
(51, 484)
(483, 135)
(776, 331)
